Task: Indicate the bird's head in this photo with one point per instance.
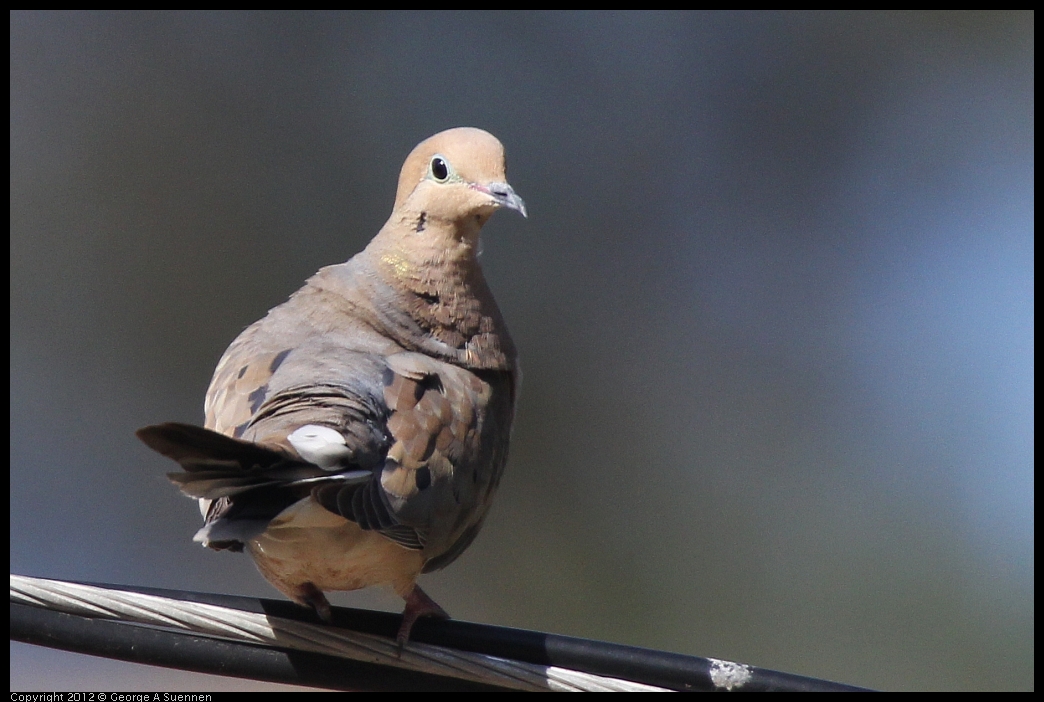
(456, 176)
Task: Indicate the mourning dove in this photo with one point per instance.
(356, 434)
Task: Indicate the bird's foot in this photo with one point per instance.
(418, 604)
(311, 596)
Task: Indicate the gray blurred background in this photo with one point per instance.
(774, 303)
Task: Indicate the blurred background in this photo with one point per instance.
(774, 304)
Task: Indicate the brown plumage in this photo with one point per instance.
(355, 435)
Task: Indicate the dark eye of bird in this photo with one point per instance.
(439, 169)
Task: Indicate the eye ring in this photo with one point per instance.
(440, 170)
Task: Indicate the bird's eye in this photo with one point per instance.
(439, 169)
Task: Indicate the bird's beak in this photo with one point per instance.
(504, 195)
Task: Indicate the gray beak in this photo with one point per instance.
(506, 196)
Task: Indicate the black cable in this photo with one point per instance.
(660, 668)
(173, 649)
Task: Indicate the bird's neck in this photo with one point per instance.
(433, 274)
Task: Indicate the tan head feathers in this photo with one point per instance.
(464, 166)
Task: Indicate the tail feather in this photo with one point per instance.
(196, 448)
(249, 484)
(219, 466)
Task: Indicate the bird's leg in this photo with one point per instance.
(311, 596)
(418, 604)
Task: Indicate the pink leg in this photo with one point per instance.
(418, 604)
(309, 595)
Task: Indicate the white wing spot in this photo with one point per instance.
(323, 446)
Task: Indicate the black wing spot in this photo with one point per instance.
(423, 477)
(433, 381)
(242, 371)
(257, 398)
(241, 429)
(278, 360)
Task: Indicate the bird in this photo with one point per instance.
(355, 435)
